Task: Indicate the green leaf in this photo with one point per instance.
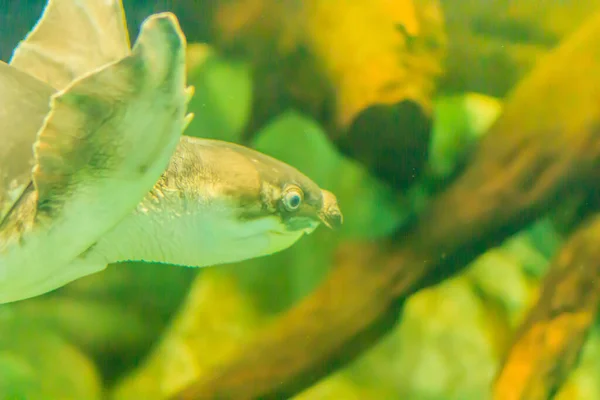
(499, 279)
(222, 99)
(446, 344)
(35, 364)
(582, 383)
(459, 121)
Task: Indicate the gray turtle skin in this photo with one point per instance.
(94, 168)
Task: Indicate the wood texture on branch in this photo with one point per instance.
(545, 146)
(550, 340)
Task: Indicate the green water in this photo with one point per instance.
(395, 107)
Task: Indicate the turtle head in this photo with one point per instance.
(294, 203)
(267, 205)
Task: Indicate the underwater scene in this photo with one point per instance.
(299, 199)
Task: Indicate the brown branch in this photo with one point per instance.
(550, 340)
(545, 146)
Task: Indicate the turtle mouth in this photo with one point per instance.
(333, 219)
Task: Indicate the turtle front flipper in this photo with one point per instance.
(73, 38)
(106, 141)
(24, 104)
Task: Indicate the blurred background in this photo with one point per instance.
(381, 102)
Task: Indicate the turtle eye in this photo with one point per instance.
(292, 198)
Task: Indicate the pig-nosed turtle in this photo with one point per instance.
(94, 168)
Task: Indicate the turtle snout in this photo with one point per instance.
(330, 213)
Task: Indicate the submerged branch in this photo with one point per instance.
(550, 340)
(545, 146)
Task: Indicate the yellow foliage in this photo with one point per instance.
(215, 319)
(377, 52)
